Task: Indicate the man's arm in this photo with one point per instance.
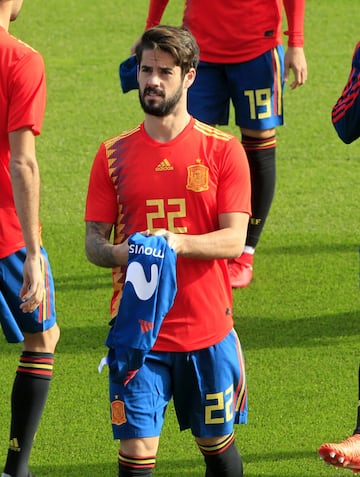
(25, 180)
(98, 248)
(155, 13)
(227, 242)
(295, 16)
(295, 56)
(346, 112)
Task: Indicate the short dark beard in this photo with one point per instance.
(163, 109)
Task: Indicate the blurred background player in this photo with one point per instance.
(346, 120)
(190, 183)
(27, 311)
(242, 61)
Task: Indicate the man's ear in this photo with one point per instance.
(190, 77)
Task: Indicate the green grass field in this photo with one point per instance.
(299, 319)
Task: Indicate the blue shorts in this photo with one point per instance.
(255, 88)
(13, 321)
(208, 388)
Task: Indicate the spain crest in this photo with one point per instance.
(118, 413)
(197, 177)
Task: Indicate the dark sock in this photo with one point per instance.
(357, 429)
(261, 157)
(129, 472)
(29, 394)
(135, 466)
(222, 460)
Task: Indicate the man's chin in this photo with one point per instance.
(154, 110)
(157, 113)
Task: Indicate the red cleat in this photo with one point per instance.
(345, 454)
(241, 270)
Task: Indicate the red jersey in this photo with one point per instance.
(234, 31)
(183, 185)
(22, 103)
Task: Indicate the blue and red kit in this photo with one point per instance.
(346, 112)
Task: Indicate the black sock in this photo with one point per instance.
(223, 460)
(135, 466)
(130, 472)
(29, 395)
(261, 157)
(357, 429)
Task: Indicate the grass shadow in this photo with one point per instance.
(263, 332)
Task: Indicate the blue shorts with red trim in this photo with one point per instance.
(254, 87)
(13, 321)
(208, 388)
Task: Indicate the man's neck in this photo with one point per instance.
(164, 129)
(4, 25)
(5, 14)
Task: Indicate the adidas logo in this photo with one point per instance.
(164, 165)
(146, 326)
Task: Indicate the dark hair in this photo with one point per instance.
(177, 41)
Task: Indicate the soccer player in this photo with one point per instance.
(346, 120)
(242, 61)
(27, 311)
(184, 180)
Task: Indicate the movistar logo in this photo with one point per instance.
(136, 275)
(141, 249)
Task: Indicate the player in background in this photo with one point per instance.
(182, 179)
(27, 311)
(346, 112)
(346, 120)
(242, 61)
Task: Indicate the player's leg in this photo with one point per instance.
(257, 93)
(137, 414)
(210, 396)
(260, 151)
(221, 456)
(35, 369)
(137, 457)
(208, 97)
(346, 453)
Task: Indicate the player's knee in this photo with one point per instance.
(45, 341)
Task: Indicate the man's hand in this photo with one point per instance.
(32, 290)
(296, 61)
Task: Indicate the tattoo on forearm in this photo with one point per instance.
(98, 248)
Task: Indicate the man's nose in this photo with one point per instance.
(153, 79)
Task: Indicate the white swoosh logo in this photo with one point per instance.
(136, 275)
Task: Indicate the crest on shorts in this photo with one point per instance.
(118, 413)
(197, 177)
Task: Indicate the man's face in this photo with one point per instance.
(161, 86)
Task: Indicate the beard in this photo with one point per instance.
(156, 108)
